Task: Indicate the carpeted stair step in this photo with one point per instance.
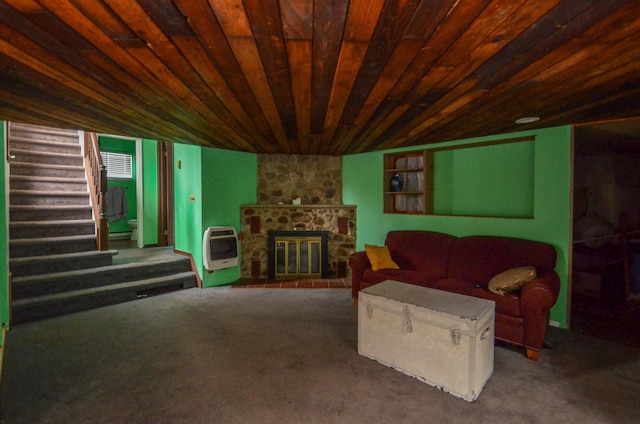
(41, 133)
(43, 197)
(49, 213)
(32, 229)
(46, 306)
(29, 182)
(32, 144)
(25, 168)
(47, 264)
(46, 158)
(41, 246)
(46, 284)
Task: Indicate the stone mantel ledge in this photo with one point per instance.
(299, 206)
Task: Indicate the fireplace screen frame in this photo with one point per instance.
(276, 236)
(300, 257)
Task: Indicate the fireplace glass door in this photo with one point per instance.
(298, 257)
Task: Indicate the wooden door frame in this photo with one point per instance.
(165, 194)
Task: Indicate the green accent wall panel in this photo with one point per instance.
(495, 180)
(188, 213)
(210, 185)
(228, 181)
(551, 200)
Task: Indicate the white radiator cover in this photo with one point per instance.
(443, 339)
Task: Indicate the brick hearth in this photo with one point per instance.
(261, 283)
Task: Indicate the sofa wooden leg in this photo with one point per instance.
(532, 354)
(355, 302)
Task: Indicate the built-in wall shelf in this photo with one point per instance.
(408, 182)
(463, 180)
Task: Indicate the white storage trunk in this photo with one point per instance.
(444, 339)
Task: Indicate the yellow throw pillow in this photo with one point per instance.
(511, 280)
(380, 257)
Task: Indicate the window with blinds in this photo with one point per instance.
(118, 165)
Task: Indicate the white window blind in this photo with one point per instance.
(118, 165)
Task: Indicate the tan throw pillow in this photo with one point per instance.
(380, 257)
(511, 280)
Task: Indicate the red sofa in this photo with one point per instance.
(465, 265)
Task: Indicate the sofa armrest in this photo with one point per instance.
(541, 292)
(537, 298)
(358, 262)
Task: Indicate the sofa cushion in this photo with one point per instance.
(511, 280)
(425, 251)
(509, 304)
(477, 259)
(406, 276)
(379, 257)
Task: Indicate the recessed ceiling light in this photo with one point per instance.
(527, 120)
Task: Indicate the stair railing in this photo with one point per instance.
(97, 179)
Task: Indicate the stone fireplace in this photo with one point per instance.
(317, 182)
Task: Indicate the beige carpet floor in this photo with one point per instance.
(223, 355)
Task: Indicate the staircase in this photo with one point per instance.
(53, 259)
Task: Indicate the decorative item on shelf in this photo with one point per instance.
(396, 183)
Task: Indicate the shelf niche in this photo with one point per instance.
(415, 170)
(497, 181)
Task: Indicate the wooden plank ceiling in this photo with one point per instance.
(317, 77)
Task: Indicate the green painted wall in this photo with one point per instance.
(362, 186)
(118, 145)
(229, 179)
(188, 213)
(150, 191)
(219, 181)
(472, 181)
(4, 236)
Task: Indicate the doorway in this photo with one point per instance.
(151, 193)
(605, 278)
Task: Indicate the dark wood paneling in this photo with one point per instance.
(394, 18)
(210, 34)
(267, 29)
(329, 20)
(317, 77)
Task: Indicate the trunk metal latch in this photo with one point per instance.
(407, 320)
(455, 335)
